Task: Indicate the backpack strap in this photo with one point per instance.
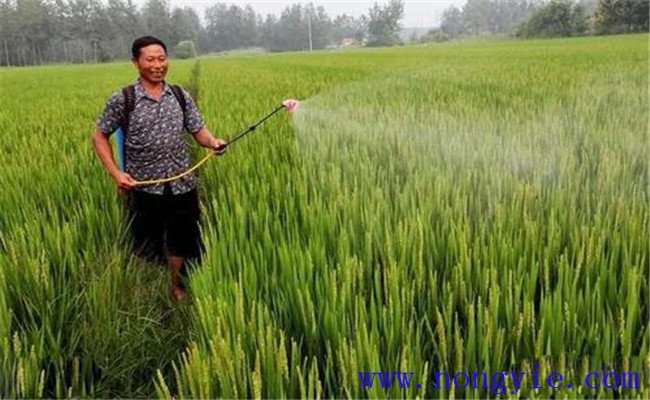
(120, 134)
(178, 93)
(129, 106)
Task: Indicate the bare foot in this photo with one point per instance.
(178, 293)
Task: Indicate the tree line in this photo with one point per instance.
(34, 32)
(541, 18)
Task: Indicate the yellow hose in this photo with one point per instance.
(290, 104)
(173, 178)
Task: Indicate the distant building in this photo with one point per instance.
(352, 42)
(349, 42)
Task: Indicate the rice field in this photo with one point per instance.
(479, 206)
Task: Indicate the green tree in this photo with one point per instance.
(157, 19)
(320, 25)
(185, 50)
(292, 32)
(186, 24)
(452, 23)
(621, 16)
(8, 33)
(33, 30)
(384, 24)
(268, 30)
(126, 25)
(249, 31)
(475, 16)
(481, 17)
(345, 26)
(554, 19)
(435, 35)
(231, 27)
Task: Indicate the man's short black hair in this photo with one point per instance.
(144, 42)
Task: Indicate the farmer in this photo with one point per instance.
(163, 216)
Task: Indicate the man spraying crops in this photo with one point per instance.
(152, 116)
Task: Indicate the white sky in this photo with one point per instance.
(417, 13)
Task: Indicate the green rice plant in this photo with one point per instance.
(458, 215)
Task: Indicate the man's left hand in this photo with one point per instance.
(219, 146)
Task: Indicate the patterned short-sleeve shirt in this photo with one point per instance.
(154, 146)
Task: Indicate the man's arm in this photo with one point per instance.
(107, 123)
(205, 139)
(105, 152)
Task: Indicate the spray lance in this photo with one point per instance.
(291, 105)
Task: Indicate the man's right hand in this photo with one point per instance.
(124, 181)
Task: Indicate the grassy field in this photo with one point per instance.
(462, 207)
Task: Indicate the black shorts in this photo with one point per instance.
(165, 224)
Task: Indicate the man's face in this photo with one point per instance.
(152, 63)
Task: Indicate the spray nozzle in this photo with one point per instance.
(291, 105)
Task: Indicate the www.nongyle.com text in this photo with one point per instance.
(499, 382)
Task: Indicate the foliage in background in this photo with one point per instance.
(481, 18)
(540, 18)
(555, 19)
(384, 24)
(621, 16)
(36, 32)
(185, 50)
